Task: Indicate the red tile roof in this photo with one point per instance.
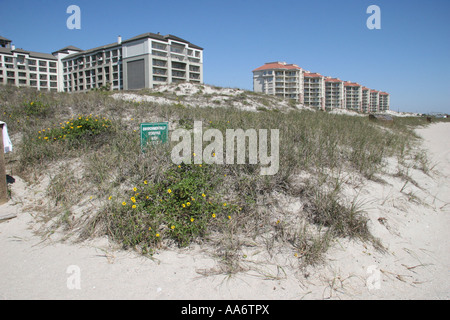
(333, 80)
(351, 84)
(384, 93)
(313, 75)
(277, 65)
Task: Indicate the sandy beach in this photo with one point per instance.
(412, 221)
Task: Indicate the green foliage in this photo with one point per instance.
(182, 207)
(81, 127)
(36, 108)
(109, 161)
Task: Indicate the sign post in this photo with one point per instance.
(3, 188)
(154, 133)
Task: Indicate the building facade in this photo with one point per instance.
(374, 101)
(353, 96)
(334, 93)
(384, 101)
(144, 61)
(315, 90)
(24, 68)
(279, 79)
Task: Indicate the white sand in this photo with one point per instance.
(412, 224)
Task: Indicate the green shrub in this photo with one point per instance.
(182, 207)
(36, 108)
(81, 127)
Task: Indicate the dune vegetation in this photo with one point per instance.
(86, 148)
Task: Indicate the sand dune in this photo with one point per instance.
(411, 220)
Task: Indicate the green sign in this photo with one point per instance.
(154, 133)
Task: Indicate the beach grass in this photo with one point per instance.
(88, 144)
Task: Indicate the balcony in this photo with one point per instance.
(178, 74)
(176, 57)
(194, 76)
(179, 66)
(159, 53)
(159, 71)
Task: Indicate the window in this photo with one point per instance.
(177, 48)
(159, 79)
(159, 63)
(159, 46)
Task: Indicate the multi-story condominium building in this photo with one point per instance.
(365, 100)
(285, 80)
(374, 101)
(352, 96)
(25, 68)
(334, 93)
(279, 79)
(143, 61)
(90, 69)
(384, 101)
(314, 90)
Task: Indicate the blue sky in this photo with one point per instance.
(409, 57)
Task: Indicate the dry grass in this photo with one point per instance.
(312, 144)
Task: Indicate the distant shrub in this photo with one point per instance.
(76, 128)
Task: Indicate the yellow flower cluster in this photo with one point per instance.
(74, 125)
